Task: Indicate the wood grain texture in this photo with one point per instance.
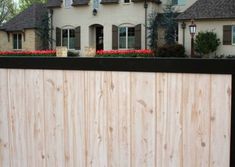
(172, 125)
(74, 118)
(18, 118)
(97, 145)
(143, 119)
(220, 120)
(161, 118)
(54, 118)
(114, 119)
(196, 116)
(34, 106)
(4, 120)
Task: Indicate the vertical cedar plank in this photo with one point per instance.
(97, 151)
(220, 120)
(54, 118)
(171, 122)
(161, 117)
(35, 117)
(122, 82)
(4, 112)
(118, 107)
(112, 104)
(143, 119)
(74, 118)
(17, 118)
(196, 116)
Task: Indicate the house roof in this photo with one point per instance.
(54, 3)
(209, 9)
(29, 18)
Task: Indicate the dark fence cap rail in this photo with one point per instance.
(173, 65)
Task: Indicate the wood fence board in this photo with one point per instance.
(97, 147)
(74, 118)
(161, 117)
(172, 152)
(4, 119)
(143, 119)
(196, 116)
(54, 118)
(122, 80)
(18, 122)
(34, 106)
(220, 120)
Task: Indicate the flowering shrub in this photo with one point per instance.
(124, 53)
(29, 53)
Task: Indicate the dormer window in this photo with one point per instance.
(68, 3)
(17, 41)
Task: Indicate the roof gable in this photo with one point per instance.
(210, 9)
(29, 18)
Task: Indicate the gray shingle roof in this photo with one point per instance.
(209, 9)
(54, 3)
(29, 18)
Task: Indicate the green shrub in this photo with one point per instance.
(206, 42)
(175, 50)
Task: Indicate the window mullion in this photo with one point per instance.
(17, 41)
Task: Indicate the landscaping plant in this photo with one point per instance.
(29, 53)
(206, 43)
(124, 53)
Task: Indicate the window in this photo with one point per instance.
(68, 38)
(67, 3)
(17, 41)
(126, 37)
(233, 35)
(126, 1)
(178, 2)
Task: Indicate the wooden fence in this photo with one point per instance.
(62, 118)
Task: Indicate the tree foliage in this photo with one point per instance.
(152, 28)
(164, 20)
(24, 4)
(44, 30)
(206, 42)
(7, 10)
(170, 24)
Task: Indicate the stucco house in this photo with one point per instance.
(20, 33)
(104, 24)
(211, 15)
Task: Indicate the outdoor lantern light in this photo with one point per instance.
(192, 31)
(94, 12)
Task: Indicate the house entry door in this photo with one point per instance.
(99, 38)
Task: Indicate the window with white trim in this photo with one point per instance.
(68, 3)
(233, 35)
(126, 37)
(17, 41)
(68, 38)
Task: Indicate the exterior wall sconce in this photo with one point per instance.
(192, 31)
(94, 12)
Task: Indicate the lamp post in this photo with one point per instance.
(192, 31)
(145, 18)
